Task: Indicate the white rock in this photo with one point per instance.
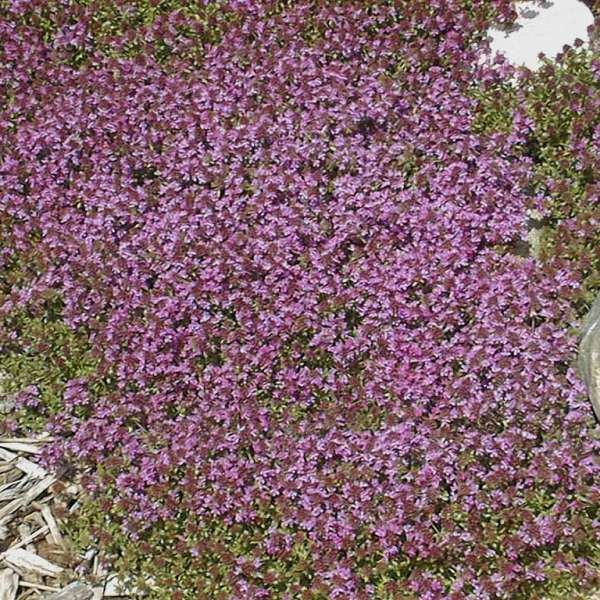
(542, 27)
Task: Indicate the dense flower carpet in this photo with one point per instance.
(257, 279)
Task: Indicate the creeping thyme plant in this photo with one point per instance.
(256, 278)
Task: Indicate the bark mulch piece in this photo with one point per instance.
(36, 556)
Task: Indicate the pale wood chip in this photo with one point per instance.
(21, 447)
(9, 583)
(30, 468)
(18, 571)
(74, 591)
(8, 495)
(96, 567)
(113, 587)
(23, 464)
(39, 586)
(26, 540)
(89, 554)
(98, 592)
(35, 517)
(24, 530)
(38, 440)
(26, 536)
(99, 567)
(29, 594)
(53, 525)
(30, 495)
(28, 561)
(19, 480)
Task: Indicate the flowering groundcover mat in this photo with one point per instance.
(257, 279)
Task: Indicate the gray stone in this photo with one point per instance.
(588, 359)
(537, 226)
(74, 591)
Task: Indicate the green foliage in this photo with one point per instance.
(203, 574)
(496, 106)
(44, 353)
(117, 30)
(37, 349)
(561, 99)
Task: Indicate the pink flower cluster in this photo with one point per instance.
(288, 256)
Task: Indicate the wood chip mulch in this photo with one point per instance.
(37, 559)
